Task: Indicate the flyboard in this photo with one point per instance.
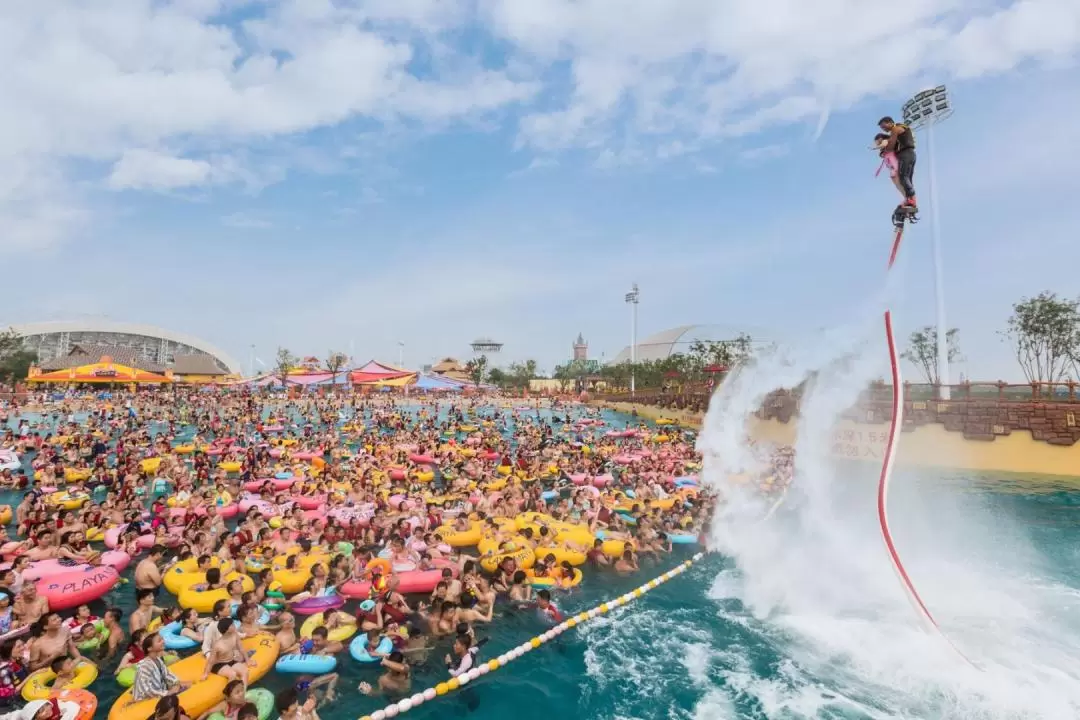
(900, 220)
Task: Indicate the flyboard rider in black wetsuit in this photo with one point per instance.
(902, 142)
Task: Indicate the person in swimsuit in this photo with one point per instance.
(888, 160)
(227, 657)
(231, 703)
(396, 681)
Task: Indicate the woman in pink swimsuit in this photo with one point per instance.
(888, 159)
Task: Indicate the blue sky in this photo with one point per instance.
(328, 174)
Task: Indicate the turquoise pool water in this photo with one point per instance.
(789, 627)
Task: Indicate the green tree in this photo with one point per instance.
(726, 353)
(334, 362)
(499, 377)
(566, 374)
(922, 351)
(15, 358)
(283, 363)
(520, 373)
(1044, 332)
(477, 369)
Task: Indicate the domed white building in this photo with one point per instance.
(65, 344)
(673, 341)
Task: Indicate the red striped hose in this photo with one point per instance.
(925, 616)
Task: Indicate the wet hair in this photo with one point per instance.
(286, 699)
(167, 704)
(886, 119)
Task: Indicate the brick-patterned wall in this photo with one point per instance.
(1056, 423)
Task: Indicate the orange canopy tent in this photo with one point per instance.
(102, 372)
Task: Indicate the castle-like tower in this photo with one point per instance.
(581, 348)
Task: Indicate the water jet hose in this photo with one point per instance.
(925, 616)
(401, 706)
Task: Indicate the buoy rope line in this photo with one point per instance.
(925, 616)
(444, 688)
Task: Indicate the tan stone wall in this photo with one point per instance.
(1032, 438)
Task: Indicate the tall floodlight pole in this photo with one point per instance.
(927, 109)
(632, 298)
(400, 354)
(251, 362)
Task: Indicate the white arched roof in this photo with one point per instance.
(675, 340)
(111, 326)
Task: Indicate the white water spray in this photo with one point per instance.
(817, 577)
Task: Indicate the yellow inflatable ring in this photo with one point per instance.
(291, 581)
(614, 548)
(523, 555)
(177, 580)
(67, 501)
(39, 685)
(203, 600)
(464, 538)
(340, 633)
(562, 554)
(262, 650)
(552, 582)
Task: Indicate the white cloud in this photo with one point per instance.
(765, 152)
(720, 68)
(110, 81)
(38, 209)
(630, 81)
(370, 196)
(537, 163)
(246, 221)
(151, 170)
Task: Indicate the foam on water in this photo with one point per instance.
(814, 578)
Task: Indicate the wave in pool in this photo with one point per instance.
(813, 580)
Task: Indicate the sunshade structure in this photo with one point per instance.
(376, 373)
(104, 372)
(434, 383)
(318, 379)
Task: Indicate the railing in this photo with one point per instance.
(697, 399)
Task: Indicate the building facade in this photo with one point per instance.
(581, 348)
(60, 345)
